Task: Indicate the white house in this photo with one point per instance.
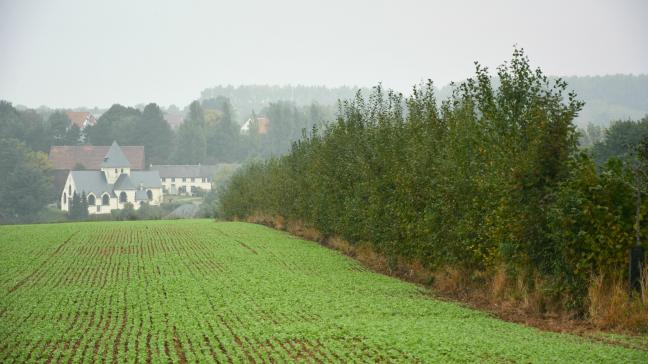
(185, 179)
(112, 187)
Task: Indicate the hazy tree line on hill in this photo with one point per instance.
(492, 179)
(209, 133)
(249, 99)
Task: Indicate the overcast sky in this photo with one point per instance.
(96, 53)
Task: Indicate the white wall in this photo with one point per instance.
(198, 182)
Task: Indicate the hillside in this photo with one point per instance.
(200, 291)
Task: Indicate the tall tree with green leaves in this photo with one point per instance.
(155, 134)
(25, 187)
(191, 146)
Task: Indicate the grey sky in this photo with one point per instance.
(96, 53)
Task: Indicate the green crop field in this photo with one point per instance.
(201, 291)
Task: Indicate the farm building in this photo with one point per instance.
(185, 179)
(112, 186)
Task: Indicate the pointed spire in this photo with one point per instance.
(115, 157)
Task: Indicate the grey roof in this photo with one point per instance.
(140, 195)
(91, 181)
(124, 182)
(149, 179)
(115, 157)
(178, 170)
(95, 182)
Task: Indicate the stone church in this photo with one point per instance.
(113, 186)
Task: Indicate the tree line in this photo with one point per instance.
(209, 133)
(490, 178)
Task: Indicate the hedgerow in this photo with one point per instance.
(489, 177)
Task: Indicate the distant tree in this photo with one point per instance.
(78, 207)
(26, 126)
(58, 124)
(222, 133)
(621, 139)
(73, 135)
(25, 187)
(191, 144)
(118, 123)
(155, 134)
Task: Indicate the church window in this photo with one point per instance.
(105, 200)
(149, 194)
(91, 200)
(123, 197)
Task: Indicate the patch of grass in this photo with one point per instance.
(200, 291)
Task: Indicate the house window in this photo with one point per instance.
(105, 200)
(172, 179)
(184, 179)
(122, 197)
(204, 179)
(122, 170)
(116, 171)
(91, 200)
(193, 179)
(149, 194)
(163, 179)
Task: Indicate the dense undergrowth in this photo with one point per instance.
(489, 183)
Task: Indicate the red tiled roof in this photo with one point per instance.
(91, 157)
(173, 120)
(79, 117)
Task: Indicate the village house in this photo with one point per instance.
(112, 186)
(81, 118)
(185, 179)
(261, 123)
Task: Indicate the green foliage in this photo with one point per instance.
(475, 183)
(78, 207)
(192, 144)
(196, 291)
(128, 212)
(25, 187)
(118, 123)
(154, 133)
(620, 140)
(592, 222)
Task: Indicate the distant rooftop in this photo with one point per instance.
(115, 157)
(91, 157)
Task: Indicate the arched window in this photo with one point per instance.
(91, 200)
(105, 200)
(149, 194)
(64, 198)
(122, 197)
